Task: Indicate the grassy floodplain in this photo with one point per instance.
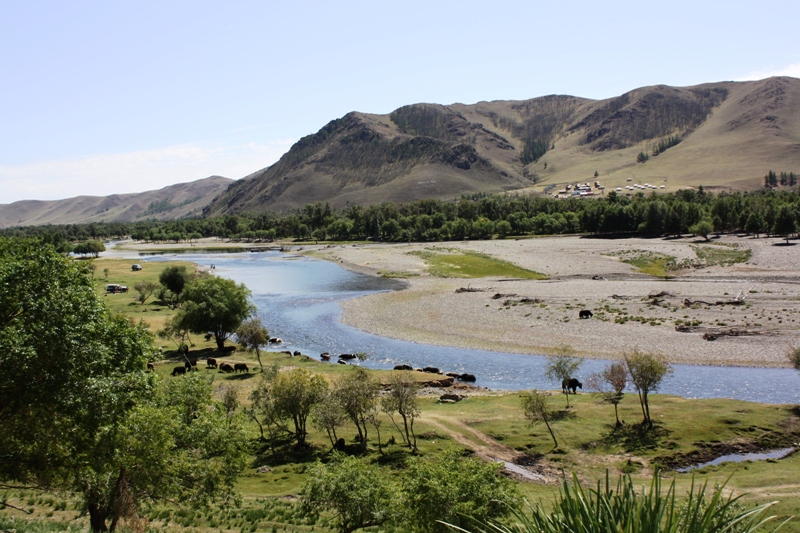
(488, 423)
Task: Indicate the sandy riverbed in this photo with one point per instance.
(431, 311)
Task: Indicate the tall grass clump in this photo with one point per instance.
(621, 509)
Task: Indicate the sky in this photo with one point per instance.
(100, 97)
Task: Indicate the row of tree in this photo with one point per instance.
(763, 212)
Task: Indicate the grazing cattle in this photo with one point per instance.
(178, 370)
(571, 384)
(403, 367)
(229, 349)
(151, 367)
(467, 377)
(347, 356)
(225, 367)
(287, 352)
(190, 364)
(297, 353)
(208, 336)
(241, 367)
(342, 362)
(275, 340)
(585, 313)
(211, 363)
(454, 375)
(431, 370)
(325, 356)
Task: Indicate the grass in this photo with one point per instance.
(472, 265)
(722, 254)
(651, 263)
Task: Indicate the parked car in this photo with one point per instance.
(113, 288)
(136, 267)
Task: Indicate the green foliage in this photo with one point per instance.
(473, 265)
(646, 371)
(665, 144)
(703, 228)
(454, 489)
(402, 398)
(535, 408)
(89, 248)
(642, 157)
(216, 305)
(625, 508)
(357, 493)
(562, 365)
(252, 335)
(174, 278)
(145, 290)
(294, 394)
(533, 150)
(356, 393)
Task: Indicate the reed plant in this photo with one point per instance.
(623, 509)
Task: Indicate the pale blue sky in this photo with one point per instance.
(102, 97)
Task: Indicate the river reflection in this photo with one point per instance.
(298, 300)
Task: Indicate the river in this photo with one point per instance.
(298, 300)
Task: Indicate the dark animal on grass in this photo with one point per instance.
(229, 349)
(297, 353)
(208, 336)
(241, 367)
(211, 363)
(179, 370)
(347, 356)
(342, 362)
(191, 364)
(226, 368)
(275, 340)
(431, 370)
(585, 313)
(571, 384)
(325, 356)
(467, 377)
(151, 367)
(403, 367)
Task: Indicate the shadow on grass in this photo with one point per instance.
(636, 437)
(563, 414)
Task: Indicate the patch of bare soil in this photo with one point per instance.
(519, 465)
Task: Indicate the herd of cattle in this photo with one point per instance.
(191, 364)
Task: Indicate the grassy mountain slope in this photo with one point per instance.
(174, 201)
(731, 134)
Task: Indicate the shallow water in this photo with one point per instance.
(298, 300)
(741, 457)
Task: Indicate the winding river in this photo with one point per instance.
(298, 300)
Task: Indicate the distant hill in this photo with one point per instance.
(172, 202)
(724, 135)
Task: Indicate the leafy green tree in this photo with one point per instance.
(252, 335)
(402, 399)
(174, 278)
(562, 365)
(327, 415)
(357, 393)
(611, 382)
(454, 489)
(145, 290)
(642, 157)
(704, 228)
(646, 371)
(535, 409)
(785, 223)
(294, 394)
(357, 493)
(754, 224)
(89, 419)
(216, 305)
(92, 248)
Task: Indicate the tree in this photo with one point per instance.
(356, 392)
(358, 493)
(402, 399)
(216, 305)
(646, 372)
(294, 393)
(794, 358)
(642, 157)
(96, 423)
(174, 278)
(454, 489)
(535, 408)
(175, 331)
(612, 382)
(92, 248)
(704, 228)
(785, 223)
(562, 365)
(145, 290)
(327, 415)
(252, 335)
